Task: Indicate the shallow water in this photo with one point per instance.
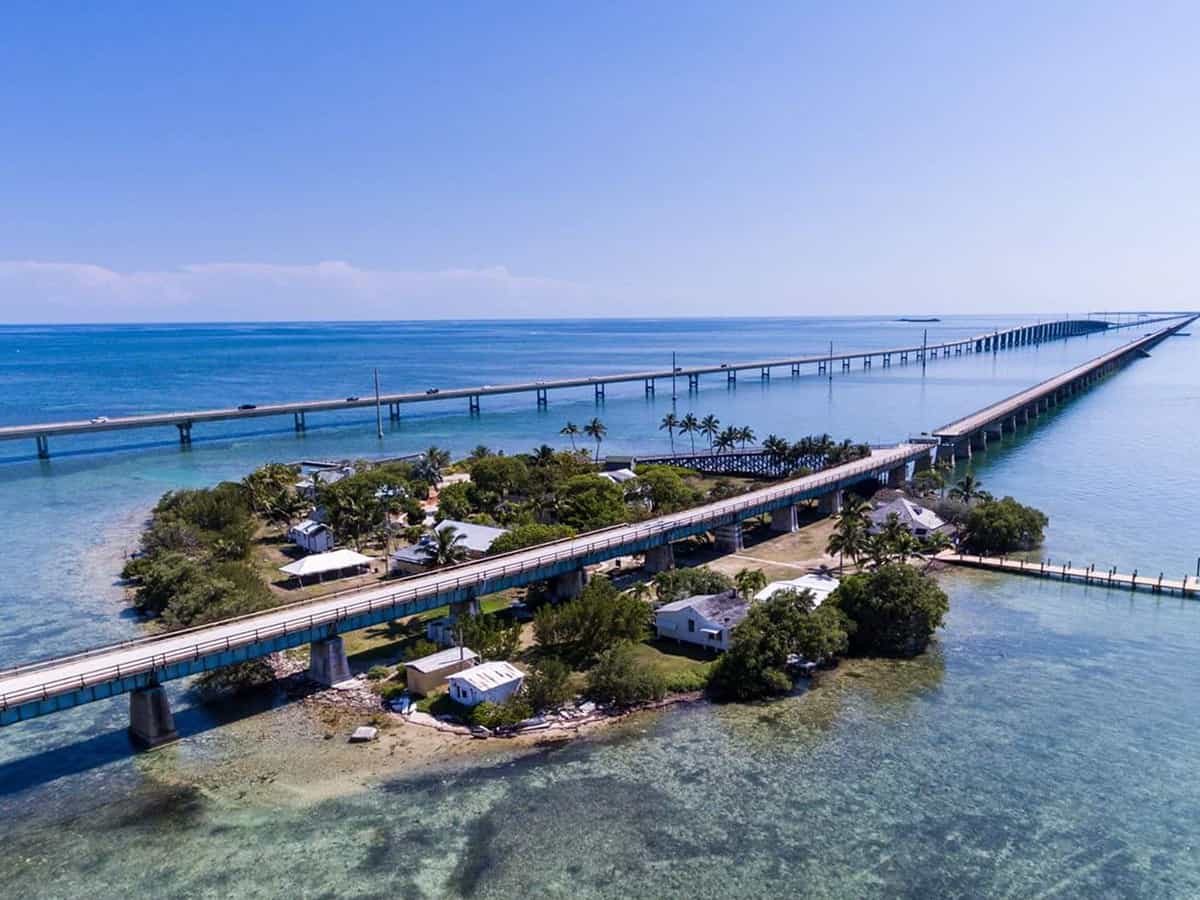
(1045, 746)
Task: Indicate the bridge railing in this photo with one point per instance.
(481, 572)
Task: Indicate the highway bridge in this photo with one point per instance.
(995, 341)
(970, 434)
(140, 666)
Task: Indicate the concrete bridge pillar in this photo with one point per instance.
(298, 420)
(394, 412)
(659, 559)
(979, 441)
(729, 538)
(599, 392)
(896, 476)
(995, 431)
(327, 663)
(568, 585)
(830, 504)
(649, 387)
(694, 380)
(151, 723)
(43, 446)
(962, 449)
(785, 520)
(765, 374)
(185, 433)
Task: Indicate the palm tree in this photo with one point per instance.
(596, 431)
(745, 435)
(849, 537)
(481, 451)
(855, 507)
(446, 548)
(775, 448)
(710, 427)
(967, 489)
(689, 425)
(749, 582)
(726, 440)
(571, 430)
(895, 539)
(669, 423)
(543, 455)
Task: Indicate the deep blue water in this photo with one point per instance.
(1009, 709)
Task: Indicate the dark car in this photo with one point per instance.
(351, 399)
(248, 406)
(432, 391)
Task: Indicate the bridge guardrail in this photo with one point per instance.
(481, 574)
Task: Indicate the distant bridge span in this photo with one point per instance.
(183, 421)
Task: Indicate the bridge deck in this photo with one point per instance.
(55, 677)
(1023, 399)
(186, 418)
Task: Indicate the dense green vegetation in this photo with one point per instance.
(580, 630)
(786, 624)
(621, 677)
(895, 610)
(676, 584)
(1002, 526)
(529, 535)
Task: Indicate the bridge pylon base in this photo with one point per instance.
(785, 521)
(151, 723)
(327, 663)
(658, 559)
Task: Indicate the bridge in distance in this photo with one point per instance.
(183, 421)
(139, 666)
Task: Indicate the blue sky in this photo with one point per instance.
(352, 160)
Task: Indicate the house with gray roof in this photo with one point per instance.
(920, 521)
(706, 620)
(476, 540)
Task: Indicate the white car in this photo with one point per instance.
(99, 420)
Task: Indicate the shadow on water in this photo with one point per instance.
(108, 747)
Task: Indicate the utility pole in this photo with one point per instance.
(924, 344)
(672, 378)
(378, 414)
(829, 366)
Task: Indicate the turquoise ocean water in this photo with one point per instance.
(1045, 747)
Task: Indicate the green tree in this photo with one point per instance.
(665, 489)
(689, 425)
(455, 501)
(500, 475)
(726, 440)
(581, 629)
(570, 430)
(621, 678)
(529, 535)
(543, 456)
(447, 548)
(271, 490)
(588, 502)
(596, 430)
(1003, 526)
(849, 537)
(488, 636)
(548, 686)
(669, 423)
(895, 609)
(967, 489)
(749, 582)
(710, 427)
(745, 435)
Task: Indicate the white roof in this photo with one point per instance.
(308, 526)
(821, 586)
(441, 659)
(475, 537)
(911, 515)
(488, 675)
(325, 562)
(618, 476)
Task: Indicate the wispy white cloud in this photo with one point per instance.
(39, 291)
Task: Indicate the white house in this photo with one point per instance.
(422, 675)
(706, 620)
(920, 521)
(491, 682)
(820, 585)
(313, 537)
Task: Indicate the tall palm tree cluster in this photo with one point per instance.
(812, 452)
(892, 543)
(719, 439)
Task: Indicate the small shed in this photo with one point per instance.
(821, 586)
(424, 674)
(315, 537)
(490, 682)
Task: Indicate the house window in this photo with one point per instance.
(691, 625)
(714, 637)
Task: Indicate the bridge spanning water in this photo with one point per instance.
(183, 421)
(138, 667)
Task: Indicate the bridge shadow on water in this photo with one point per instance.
(114, 745)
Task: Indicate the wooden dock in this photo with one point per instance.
(1188, 586)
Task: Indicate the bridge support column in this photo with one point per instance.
(729, 538)
(962, 449)
(43, 446)
(904, 357)
(659, 559)
(151, 723)
(945, 454)
(599, 392)
(887, 360)
(569, 585)
(785, 521)
(821, 367)
(394, 412)
(542, 401)
(978, 441)
(795, 369)
(185, 433)
(765, 373)
(896, 476)
(925, 460)
(995, 431)
(327, 663)
(731, 376)
(694, 381)
(649, 387)
(866, 362)
(298, 420)
(845, 365)
(473, 404)
(830, 504)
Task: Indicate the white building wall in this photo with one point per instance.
(675, 625)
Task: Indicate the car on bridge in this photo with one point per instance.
(351, 399)
(248, 406)
(99, 420)
(433, 391)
